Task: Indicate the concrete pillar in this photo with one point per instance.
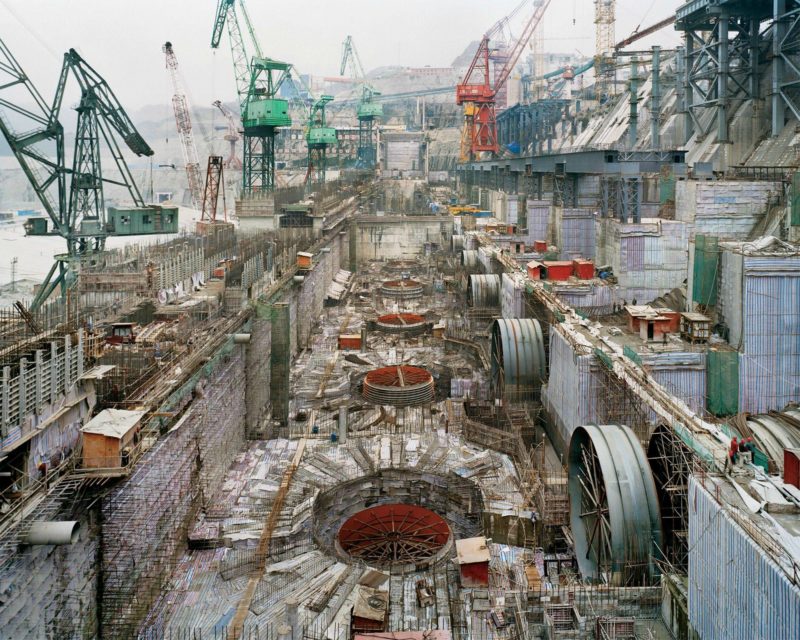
(655, 100)
(342, 424)
(633, 101)
(280, 361)
(722, 78)
(5, 392)
(23, 388)
(364, 339)
(680, 94)
(688, 128)
(293, 619)
(284, 632)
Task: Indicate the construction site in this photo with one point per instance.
(502, 350)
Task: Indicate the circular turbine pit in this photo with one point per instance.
(398, 386)
(391, 534)
(409, 323)
(402, 289)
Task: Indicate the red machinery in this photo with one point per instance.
(477, 93)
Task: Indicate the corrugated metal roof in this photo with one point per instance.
(114, 423)
(471, 550)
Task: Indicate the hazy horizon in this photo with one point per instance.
(121, 40)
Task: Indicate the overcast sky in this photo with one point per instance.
(122, 39)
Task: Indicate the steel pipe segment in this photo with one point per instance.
(470, 260)
(775, 432)
(614, 511)
(519, 365)
(483, 291)
(55, 532)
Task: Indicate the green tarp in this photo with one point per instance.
(706, 263)
(722, 382)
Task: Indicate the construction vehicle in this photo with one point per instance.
(77, 212)
(258, 81)
(183, 122)
(479, 89)
(368, 111)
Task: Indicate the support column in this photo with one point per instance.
(280, 360)
(723, 71)
(633, 100)
(655, 100)
(778, 34)
(343, 425)
(293, 619)
(680, 95)
(688, 126)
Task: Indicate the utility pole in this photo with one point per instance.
(14, 274)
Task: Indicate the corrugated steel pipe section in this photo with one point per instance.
(774, 432)
(470, 260)
(519, 366)
(614, 512)
(483, 291)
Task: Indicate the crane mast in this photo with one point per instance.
(604, 19)
(368, 111)
(76, 211)
(183, 122)
(478, 93)
(258, 81)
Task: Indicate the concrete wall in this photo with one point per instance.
(728, 209)
(398, 237)
(649, 258)
(50, 592)
(146, 518)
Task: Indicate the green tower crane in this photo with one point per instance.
(77, 212)
(319, 136)
(368, 111)
(258, 81)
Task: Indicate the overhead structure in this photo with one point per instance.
(183, 122)
(35, 134)
(614, 511)
(605, 17)
(258, 82)
(233, 161)
(643, 33)
(368, 110)
(479, 89)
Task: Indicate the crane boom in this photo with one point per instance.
(183, 122)
(226, 16)
(77, 212)
(638, 35)
(477, 93)
(520, 44)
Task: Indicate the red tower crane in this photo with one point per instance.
(478, 93)
(183, 121)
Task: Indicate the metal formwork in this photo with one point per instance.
(409, 323)
(402, 289)
(399, 386)
(518, 358)
(614, 511)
